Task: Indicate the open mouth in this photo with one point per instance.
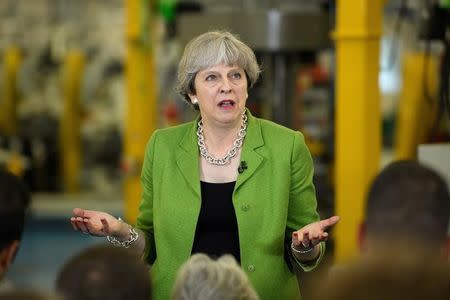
(226, 103)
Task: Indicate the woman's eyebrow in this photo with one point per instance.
(208, 72)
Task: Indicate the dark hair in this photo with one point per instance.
(408, 200)
(408, 276)
(14, 202)
(28, 295)
(105, 272)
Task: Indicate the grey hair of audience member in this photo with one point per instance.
(204, 278)
(211, 49)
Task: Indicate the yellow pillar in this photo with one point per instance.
(9, 94)
(70, 122)
(358, 119)
(141, 116)
(416, 113)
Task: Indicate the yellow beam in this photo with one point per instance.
(416, 113)
(70, 122)
(12, 60)
(141, 115)
(358, 118)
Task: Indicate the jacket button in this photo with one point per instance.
(245, 207)
(251, 268)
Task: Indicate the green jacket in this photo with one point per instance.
(272, 198)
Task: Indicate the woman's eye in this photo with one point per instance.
(210, 77)
(236, 75)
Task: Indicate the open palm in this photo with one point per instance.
(93, 222)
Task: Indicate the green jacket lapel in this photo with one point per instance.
(187, 158)
(252, 141)
(187, 154)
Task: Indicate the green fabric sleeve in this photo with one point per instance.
(145, 217)
(302, 202)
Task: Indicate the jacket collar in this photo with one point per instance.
(188, 153)
(253, 140)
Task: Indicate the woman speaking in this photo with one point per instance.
(226, 183)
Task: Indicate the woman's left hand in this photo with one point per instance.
(313, 233)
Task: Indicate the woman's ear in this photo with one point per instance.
(193, 98)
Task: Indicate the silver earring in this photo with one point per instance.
(194, 100)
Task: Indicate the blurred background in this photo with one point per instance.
(84, 83)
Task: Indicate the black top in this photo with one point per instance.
(217, 231)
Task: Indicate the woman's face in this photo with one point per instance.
(221, 92)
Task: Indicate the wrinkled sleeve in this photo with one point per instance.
(302, 202)
(145, 217)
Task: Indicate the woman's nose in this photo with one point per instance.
(226, 86)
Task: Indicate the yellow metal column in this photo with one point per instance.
(416, 113)
(141, 116)
(358, 119)
(70, 122)
(9, 94)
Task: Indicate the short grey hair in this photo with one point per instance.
(210, 49)
(204, 278)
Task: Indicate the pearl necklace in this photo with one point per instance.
(231, 153)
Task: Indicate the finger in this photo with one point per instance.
(315, 234)
(320, 238)
(324, 237)
(105, 228)
(81, 225)
(306, 241)
(296, 239)
(87, 224)
(78, 212)
(301, 235)
(83, 213)
(74, 224)
(327, 223)
(314, 242)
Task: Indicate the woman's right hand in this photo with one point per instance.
(98, 223)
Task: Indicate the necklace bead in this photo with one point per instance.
(231, 153)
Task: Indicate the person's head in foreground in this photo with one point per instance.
(387, 276)
(204, 278)
(14, 202)
(28, 295)
(408, 204)
(105, 272)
